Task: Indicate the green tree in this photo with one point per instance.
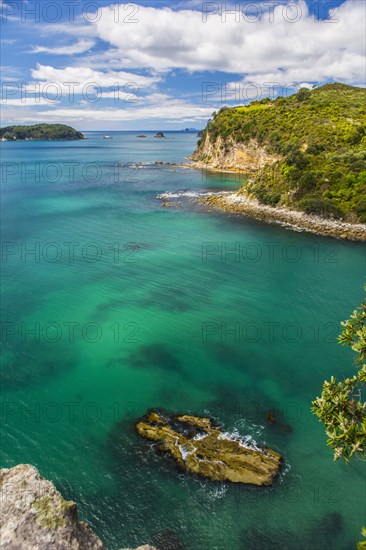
(303, 94)
(340, 407)
(362, 545)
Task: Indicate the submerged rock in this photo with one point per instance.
(270, 418)
(202, 448)
(34, 515)
(159, 135)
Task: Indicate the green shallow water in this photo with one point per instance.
(176, 308)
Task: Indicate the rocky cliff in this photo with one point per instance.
(34, 515)
(216, 154)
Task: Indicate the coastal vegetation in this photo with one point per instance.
(317, 140)
(39, 132)
(340, 407)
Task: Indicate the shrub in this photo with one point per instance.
(320, 207)
(303, 94)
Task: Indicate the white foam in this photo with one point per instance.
(183, 451)
(199, 437)
(192, 194)
(247, 441)
(217, 492)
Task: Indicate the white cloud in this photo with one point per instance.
(85, 76)
(25, 102)
(169, 109)
(76, 28)
(9, 73)
(8, 41)
(121, 115)
(79, 47)
(271, 48)
(120, 96)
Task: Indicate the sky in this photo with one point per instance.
(165, 64)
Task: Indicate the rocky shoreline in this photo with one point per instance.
(239, 203)
(35, 516)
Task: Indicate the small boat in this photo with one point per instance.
(107, 137)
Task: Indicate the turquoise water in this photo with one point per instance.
(177, 308)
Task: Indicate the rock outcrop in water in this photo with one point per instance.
(34, 515)
(202, 448)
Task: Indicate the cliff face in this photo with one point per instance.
(233, 156)
(34, 515)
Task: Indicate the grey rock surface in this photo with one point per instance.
(35, 516)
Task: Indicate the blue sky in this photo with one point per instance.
(168, 64)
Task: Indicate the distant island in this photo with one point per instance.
(302, 155)
(39, 132)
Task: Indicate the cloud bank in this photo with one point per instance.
(281, 45)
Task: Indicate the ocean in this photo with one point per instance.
(113, 304)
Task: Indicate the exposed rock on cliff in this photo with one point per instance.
(233, 156)
(202, 448)
(34, 516)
